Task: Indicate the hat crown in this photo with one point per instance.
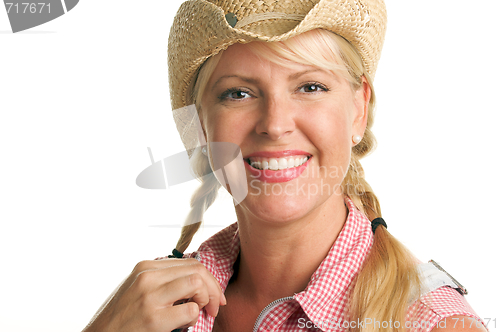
(244, 8)
(256, 16)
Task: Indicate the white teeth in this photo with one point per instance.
(282, 163)
(277, 163)
(273, 164)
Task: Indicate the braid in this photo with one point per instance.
(206, 194)
(354, 184)
(201, 200)
(360, 192)
(385, 284)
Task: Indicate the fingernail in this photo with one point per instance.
(224, 301)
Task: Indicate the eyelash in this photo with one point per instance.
(317, 84)
(225, 94)
(229, 91)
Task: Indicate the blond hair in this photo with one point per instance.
(388, 279)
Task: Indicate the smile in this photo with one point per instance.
(276, 164)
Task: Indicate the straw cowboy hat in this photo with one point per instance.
(202, 28)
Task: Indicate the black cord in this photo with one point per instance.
(176, 254)
(376, 222)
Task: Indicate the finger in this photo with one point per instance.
(216, 296)
(180, 316)
(168, 319)
(148, 265)
(155, 275)
(159, 264)
(194, 288)
(144, 266)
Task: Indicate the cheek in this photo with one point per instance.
(330, 134)
(330, 129)
(225, 127)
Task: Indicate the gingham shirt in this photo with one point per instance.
(322, 305)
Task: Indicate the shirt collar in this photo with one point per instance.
(330, 283)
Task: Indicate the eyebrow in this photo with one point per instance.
(256, 80)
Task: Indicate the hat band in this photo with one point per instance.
(268, 16)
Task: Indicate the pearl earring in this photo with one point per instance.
(204, 150)
(356, 139)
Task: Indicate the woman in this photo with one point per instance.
(290, 84)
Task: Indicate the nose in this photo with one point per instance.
(276, 119)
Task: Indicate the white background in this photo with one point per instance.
(83, 96)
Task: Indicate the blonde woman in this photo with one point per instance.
(290, 83)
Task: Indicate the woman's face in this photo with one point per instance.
(296, 122)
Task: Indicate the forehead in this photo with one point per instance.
(240, 59)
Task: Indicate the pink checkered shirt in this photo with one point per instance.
(322, 305)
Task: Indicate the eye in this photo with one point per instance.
(313, 87)
(234, 94)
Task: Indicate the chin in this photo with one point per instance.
(277, 209)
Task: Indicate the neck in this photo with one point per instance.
(278, 260)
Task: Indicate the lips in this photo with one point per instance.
(277, 166)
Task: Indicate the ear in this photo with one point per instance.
(362, 101)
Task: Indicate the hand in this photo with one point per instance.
(154, 295)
